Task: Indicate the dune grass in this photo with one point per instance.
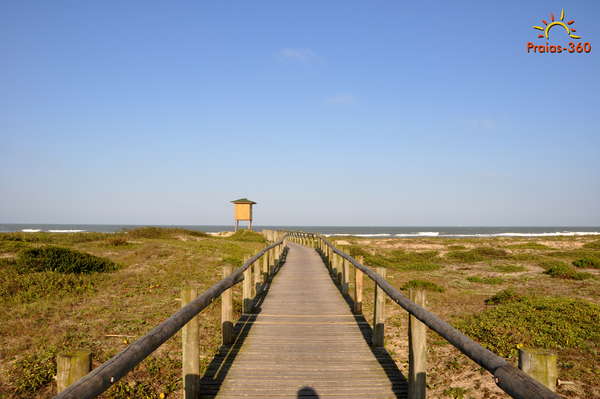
(45, 311)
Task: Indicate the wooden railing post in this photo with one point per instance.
(227, 310)
(247, 304)
(71, 367)
(190, 340)
(346, 281)
(379, 313)
(257, 277)
(265, 267)
(417, 350)
(541, 365)
(358, 287)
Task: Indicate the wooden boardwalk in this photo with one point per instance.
(303, 342)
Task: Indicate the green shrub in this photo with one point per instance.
(162, 232)
(33, 371)
(587, 263)
(508, 268)
(62, 260)
(550, 263)
(456, 247)
(592, 245)
(247, 236)
(426, 285)
(567, 272)
(541, 322)
(477, 254)
(485, 280)
(528, 245)
(504, 296)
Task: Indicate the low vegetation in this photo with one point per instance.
(543, 301)
(592, 245)
(567, 272)
(587, 263)
(247, 236)
(485, 280)
(508, 268)
(541, 322)
(424, 285)
(162, 232)
(62, 260)
(477, 254)
(528, 245)
(63, 291)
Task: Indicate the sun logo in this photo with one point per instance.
(553, 23)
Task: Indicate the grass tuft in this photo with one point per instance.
(567, 272)
(477, 254)
(485, 280)
(508, 268)
(33, 371)
(505, 296)
(587, 263)
(528, 245)
(423, 284)
(247, 236)
(592, 245)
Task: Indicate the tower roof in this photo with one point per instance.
(243, 201)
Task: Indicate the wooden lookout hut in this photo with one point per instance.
(242, 211)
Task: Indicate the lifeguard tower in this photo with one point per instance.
(242, 211)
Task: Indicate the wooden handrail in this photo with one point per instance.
(105, 375)
(509, 378)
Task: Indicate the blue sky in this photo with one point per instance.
(325, 113)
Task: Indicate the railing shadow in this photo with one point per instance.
(216, 372)
(387, 363)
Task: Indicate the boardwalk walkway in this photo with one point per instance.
(303, 342)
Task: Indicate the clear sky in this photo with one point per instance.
(324, 112)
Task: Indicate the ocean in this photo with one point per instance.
(359, 231)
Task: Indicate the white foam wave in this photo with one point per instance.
(419, 234)
(66, 231)
(357, 235)
(31, 230)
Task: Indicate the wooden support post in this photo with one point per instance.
(190, 341)
(346, 274)
(271, 262)
(265, 267)
(257, 277)
(227, 310)
(540, 364)
(417, 350)
(71, 367)
(379, 313)
(358, 287)
(247, 303)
